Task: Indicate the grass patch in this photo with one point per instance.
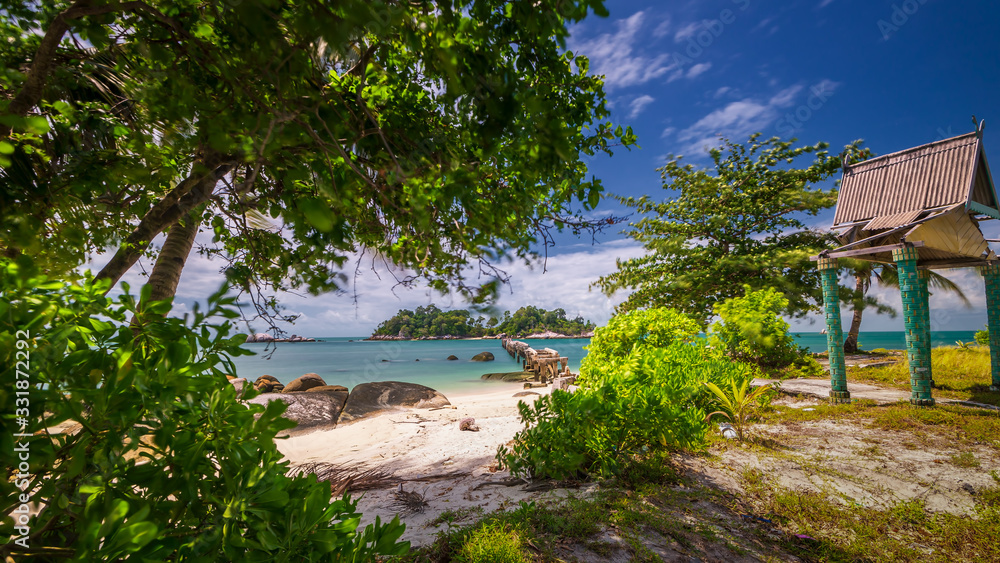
(963, 425)
(965, 459)
(493, 542)
(961, 373)
(828, 530)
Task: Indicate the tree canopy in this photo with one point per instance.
(739, 224)
(434, 134)
(430, 321)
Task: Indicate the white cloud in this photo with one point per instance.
(825, 3)
(721, 92)
(639, 104)
(738, 119)
(698, 70)
(616, 56)
(688, 31)
(663, 29)
(786, 97)
(668, 132)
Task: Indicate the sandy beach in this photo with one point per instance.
(427, 453)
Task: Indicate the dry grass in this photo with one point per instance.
(345, 478)
(959, 373)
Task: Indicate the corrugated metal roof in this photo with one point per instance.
(892, 221)
(925, 177)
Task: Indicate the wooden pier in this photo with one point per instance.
(546, 364)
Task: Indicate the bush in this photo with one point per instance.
(983, 336)
(652, 328)
(751, 330)
(166, 464)
(650, 400)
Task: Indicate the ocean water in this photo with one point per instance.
(348, 362)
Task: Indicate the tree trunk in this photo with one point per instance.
(851, 342)
(193, 191)
(166, 272)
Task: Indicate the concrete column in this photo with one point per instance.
(834, 332)
(991, 274)
(916, 316)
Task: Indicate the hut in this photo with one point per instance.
(919, 209)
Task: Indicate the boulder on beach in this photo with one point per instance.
(240, 384)
(468, 425)
(308, 410)
(304, 383)
(525, 393)
(483, 357)
(372, 399)
(268, 384)
(509, 376)
(452, 357)
(326, 388)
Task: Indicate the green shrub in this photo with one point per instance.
(653, 328)
(983, 336)
(651, 399)
(739, 402)
(167, 464)
(493, 542)
(751, 330)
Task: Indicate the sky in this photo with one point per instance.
(895, 73)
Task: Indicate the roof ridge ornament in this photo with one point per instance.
(980, 125)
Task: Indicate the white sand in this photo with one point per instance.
(417, 444)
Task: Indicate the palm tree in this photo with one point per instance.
(885, 275)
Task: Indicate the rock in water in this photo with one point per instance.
(372, 399)
(468, 424)
(483, 357)
(268, 384)
(509, 376)
(260, 337)
(304, 383)
(309, 411)
(452, 357)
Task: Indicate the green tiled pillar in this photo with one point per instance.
(916, 315)
(923, 277)
(991, 274)
(834, 332)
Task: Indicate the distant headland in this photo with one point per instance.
(432, 323)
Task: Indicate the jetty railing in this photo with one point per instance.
(546, 363)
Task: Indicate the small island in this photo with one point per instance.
(432, 323)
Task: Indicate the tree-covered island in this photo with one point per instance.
(432, 322)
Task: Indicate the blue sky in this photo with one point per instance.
(894, 73)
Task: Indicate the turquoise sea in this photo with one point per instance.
(350, 361)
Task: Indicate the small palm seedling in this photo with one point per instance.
(739, 402)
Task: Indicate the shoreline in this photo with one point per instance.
(425, 452)
(437, 338)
